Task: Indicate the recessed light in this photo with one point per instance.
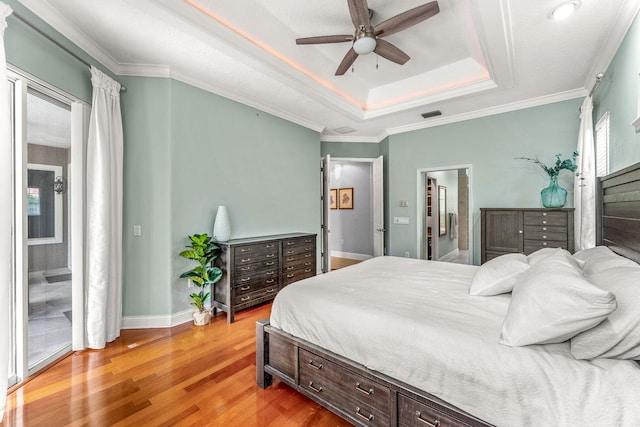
(564, 10)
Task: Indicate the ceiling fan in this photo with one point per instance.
(368, 38)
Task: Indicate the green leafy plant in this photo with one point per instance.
(204, 251)
(553, 171)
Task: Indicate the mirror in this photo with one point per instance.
(44, 204)
(442, 209)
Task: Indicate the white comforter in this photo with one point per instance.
(414, 320)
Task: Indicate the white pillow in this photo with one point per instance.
(537, 256)
(617, 337)
(551, 302)
(498, 275)
(601, 258)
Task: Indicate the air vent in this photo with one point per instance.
(345, 129)
(434, 113)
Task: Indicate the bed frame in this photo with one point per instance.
(368, 398)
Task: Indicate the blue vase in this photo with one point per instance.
(553, 196)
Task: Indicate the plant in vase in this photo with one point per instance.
(554, 196)
(204, 251)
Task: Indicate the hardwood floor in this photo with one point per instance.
(184, 376)
(337, 263)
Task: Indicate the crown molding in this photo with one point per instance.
(499, 109)
(144, 70)
(353, 139)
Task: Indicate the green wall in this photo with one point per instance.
(618, 94)
(490, 145)
(361, 150)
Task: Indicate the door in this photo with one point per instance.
(378, 207)
(501, 233)
(325, 177)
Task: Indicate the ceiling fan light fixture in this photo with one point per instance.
(365, 45)
(564, 10)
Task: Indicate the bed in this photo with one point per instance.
(551, 338)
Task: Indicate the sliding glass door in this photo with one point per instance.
(45, 285)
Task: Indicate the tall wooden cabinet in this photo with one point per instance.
(255, 269)
(525, 231)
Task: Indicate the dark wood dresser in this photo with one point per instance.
(524, 231)
(256, 268)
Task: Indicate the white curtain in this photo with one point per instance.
(104, 213)
(584, 191)
(6, 214)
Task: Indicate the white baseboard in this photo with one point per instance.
(157, 321)
(350, 255)
(451, 255)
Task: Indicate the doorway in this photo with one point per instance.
(48, 131)
(353, 211)
(444, 207)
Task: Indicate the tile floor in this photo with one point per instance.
(49, 327)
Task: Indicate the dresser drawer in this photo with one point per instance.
(287, 252)
(545, 218)
(537, 232)
(257, 252)
(255, 276)
(297, 265)
(412, 413)
(245, 269)
(361, 398)
(252, 287)
(286, 260)
(258, 295)
(294, 276)
(298, 241)
(531, 246)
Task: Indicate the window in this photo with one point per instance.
(602, 145)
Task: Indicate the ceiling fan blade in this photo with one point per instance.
(359, 14)
(347, 62)
(324, 39)
(407, 19)
(390, 52)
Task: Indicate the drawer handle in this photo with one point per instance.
(245, 288)
(291, 243)
(544, 228)
(290, 275)
(308, 241)
(291, 259)
(245, 260)
(544, 237)
(269, 291)
(307, 263)
(271, 273)
(435, 423)
(270, 281)
(308, 270)
(290, 268)
(363, 416)
(291, 252)
(245, 299)
(362, 390)
(270, 255)
(245, 280)
(544, 214)
(270, 263)
(307, 256)
(270, 246)
(544, 243)
(317, 390)
(245, 250)
(520, 231)
(245, 269)
(314, 366)
(544, 222)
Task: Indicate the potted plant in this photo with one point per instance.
(554, 196)
(204, 251)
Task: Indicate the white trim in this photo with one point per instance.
(144, 70)
(636, 122)
(57, 207)
(362, 139)
(350, 255)
(157, 321)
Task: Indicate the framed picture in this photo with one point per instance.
(333, 198)
(345, 198)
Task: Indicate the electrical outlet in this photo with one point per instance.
(406, 254)
(403, 220)
(137, 230)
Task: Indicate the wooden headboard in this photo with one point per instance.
(619, 212)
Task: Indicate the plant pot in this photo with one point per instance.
(553, 196)
(201, 318)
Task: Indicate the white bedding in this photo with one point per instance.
(415, 321)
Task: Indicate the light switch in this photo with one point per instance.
(402, 220)
(404, 203)
(137, 230)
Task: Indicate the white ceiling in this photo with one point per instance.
(474, 58)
